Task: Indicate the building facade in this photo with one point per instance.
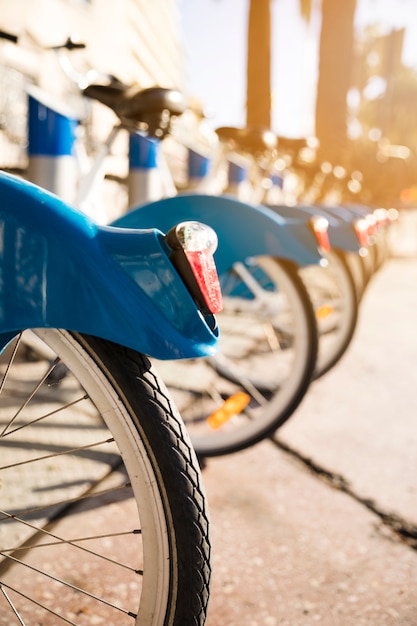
(136, 40)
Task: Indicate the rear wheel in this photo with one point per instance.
(335, 300)
(268, 350)
(103, 516)
(356, 267)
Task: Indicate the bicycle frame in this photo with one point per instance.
(51, 139)
(59, 269)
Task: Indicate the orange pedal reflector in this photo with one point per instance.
(232, 406)
(323, 312)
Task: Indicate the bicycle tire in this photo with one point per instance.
(369, 263)
(357, 269)
(332, 288)
(171, 585)
(275, 377)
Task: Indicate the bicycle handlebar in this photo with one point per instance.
(70, 44)
(8, 36)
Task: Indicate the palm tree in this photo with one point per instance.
(335, 64)
(335, 73)
(258, 91)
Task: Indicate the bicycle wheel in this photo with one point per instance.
(357, 269)
(335, 300)
(103, 518)
(267, 354)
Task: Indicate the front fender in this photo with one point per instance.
(243, 230)
(58, 269)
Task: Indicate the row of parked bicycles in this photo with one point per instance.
(138, 340)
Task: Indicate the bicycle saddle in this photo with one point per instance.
(292, 145)
(153, 106)
(249, 139)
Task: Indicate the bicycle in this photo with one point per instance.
(246, 154)
(107, 435)
(338, 192)
(331, 190)
(259, 384)
(243, 408)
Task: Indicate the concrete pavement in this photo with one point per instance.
(319, 526)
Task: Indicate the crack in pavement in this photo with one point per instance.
(401, 528)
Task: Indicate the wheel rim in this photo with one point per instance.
(142, 579)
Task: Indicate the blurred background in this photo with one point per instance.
(343, 72)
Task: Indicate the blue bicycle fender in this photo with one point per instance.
(341, 233)
(347, 212)
(243, 230)
(58, 269)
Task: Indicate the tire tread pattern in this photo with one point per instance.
(175, 461)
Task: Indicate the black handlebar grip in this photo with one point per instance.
(8, 36)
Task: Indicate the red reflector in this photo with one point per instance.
(361, 230)
(204, 270)
(323, 239)
(320, 228)
(372, 223)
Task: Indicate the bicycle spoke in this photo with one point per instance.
(38, 604)
(43, 417)
(10, 603)
(76, 540)
(58, 454)
(72, 501)
(68, 585)
(10, 363)
(30, 397)
(61, 540)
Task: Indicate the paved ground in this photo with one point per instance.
(320, 526)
